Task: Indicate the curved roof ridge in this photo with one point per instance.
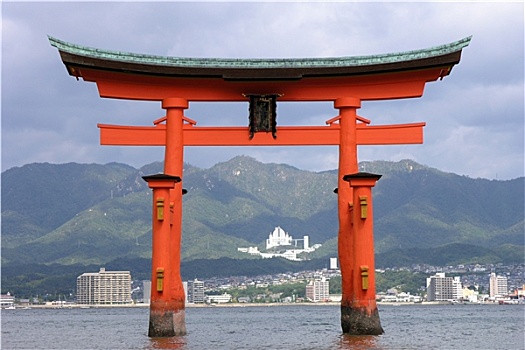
(240, 63)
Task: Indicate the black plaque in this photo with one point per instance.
(263, 114)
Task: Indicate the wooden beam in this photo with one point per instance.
(381, 87)
(118, 135)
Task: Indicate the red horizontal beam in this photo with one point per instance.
(118, 135)
(371, 87)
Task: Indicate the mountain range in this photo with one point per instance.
(92, 214)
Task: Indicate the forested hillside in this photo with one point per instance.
(93, 214)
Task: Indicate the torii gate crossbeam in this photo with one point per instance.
(117, 135)
(345, 81)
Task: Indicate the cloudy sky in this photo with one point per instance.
(475, 116)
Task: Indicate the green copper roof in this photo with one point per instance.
(352, 61)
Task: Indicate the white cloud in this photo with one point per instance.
(474, 116)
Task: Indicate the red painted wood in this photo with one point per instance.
(347, 165)
(369, 87)
(118, 135)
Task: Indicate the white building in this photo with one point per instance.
(104, 287)
(318, 290)
(250, 250)
(306, 243)
(399, 298)
(281, 238)
(333, 263)
(195, 293)
(497, 285)
(219, 299)
(471, 296)
(7, 301)
(441, 288)
(146, 291)
(277, 238)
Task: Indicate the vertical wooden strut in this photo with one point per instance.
(360, 315)
(167, 310)
(348, 239)
(347, 165)
(164, 306)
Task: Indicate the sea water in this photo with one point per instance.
(274, 327)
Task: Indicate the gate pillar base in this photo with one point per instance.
(360, 321)
(166, 323)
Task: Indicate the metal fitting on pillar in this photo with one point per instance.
(363, 202)
(160, 279)
(364, 277)
(160, 208)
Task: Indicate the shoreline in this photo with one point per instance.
(238, 305)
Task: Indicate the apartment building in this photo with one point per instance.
(318, 290)
(442, 288)
(195, 292)
(498, 285)
(104, 287)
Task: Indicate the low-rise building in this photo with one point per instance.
(7, 301)
(219, 299)
(470, 295)
(401, 297)
(519, 293)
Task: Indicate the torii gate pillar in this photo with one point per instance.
(167, 317)
(359, 314)
(167, 308)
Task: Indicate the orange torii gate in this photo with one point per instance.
(346, 81)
